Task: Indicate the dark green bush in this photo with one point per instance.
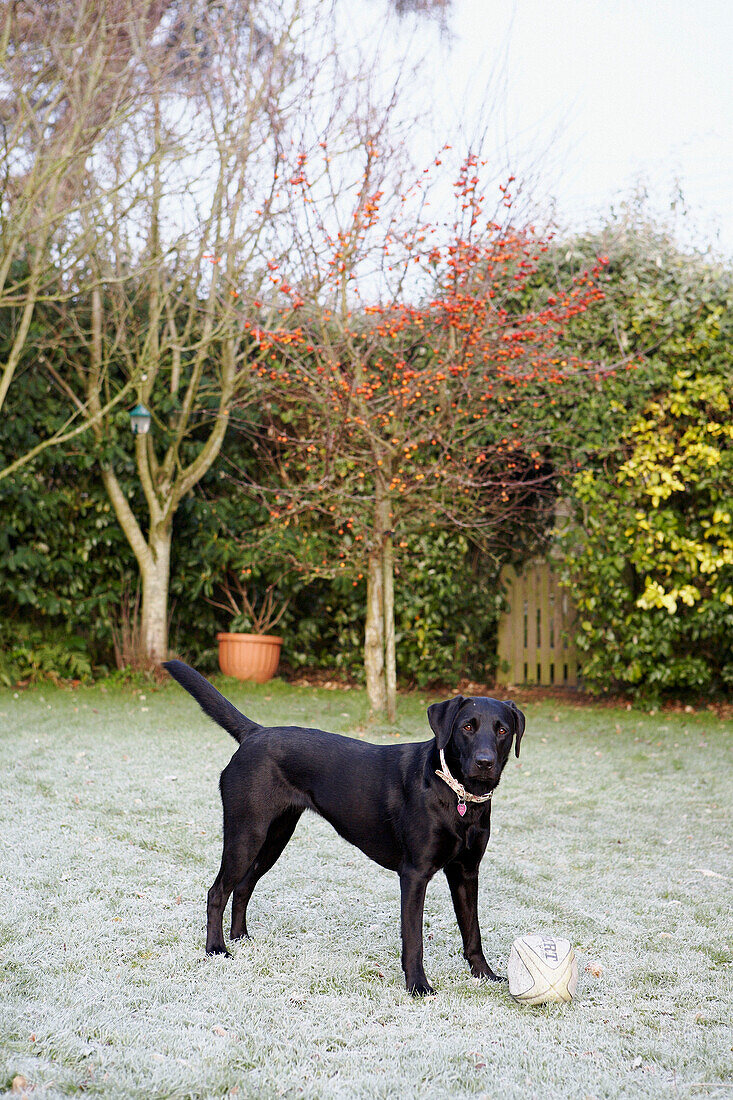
(29, 653)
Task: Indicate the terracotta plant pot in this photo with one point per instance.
(249, 656)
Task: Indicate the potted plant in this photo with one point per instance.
(248, 650)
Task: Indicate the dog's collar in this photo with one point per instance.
(464, 796)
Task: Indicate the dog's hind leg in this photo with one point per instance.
(240, 853)
(278, 835)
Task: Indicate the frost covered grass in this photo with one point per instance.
(613, 829)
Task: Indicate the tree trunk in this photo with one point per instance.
(155, 573)
(153, 558)
(379, 640)
(390, 661)
(374, 633)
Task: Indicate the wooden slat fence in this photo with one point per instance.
(535, 644)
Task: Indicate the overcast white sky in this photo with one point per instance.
(609, 95)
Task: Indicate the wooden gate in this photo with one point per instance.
(535, 643)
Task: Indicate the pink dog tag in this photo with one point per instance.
(461, 807)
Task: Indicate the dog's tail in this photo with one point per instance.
(211, 701)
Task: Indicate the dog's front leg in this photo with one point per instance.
(413, 885)
(463, 885)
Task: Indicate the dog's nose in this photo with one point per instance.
(485, 762)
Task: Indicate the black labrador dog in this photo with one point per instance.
(413, 808)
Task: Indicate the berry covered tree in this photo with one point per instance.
(400, 357)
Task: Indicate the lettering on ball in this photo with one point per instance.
(550, 948)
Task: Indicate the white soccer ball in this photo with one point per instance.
(542, 969)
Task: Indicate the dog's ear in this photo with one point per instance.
(519, 724)
(441, 717)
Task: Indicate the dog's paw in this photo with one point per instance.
(219, 951)
(486, 974)
(421, 988)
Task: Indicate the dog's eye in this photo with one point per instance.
(468, 727)
(501, 731)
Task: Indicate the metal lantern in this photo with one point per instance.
(140, 420)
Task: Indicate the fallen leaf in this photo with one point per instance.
(594, 969)
(19, 1084)
(219, 1030)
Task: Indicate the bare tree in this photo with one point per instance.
(67, 80)
(182, 195)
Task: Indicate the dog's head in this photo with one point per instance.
(479, 732)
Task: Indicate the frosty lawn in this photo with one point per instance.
(613, 829)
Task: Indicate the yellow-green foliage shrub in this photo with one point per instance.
(651, 558)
